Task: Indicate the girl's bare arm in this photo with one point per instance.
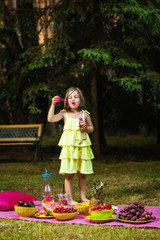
(88, 126)
(52, 117)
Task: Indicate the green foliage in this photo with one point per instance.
(134, 40)
(41, 90)
(130, 84)
(127, 63)
(152, 83)
(95, 55)
(145, 16)
(121, 40)
(30, 59)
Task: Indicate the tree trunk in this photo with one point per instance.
(158, 133)
(95, 135)
(28, 24)
(101, 104)
(3, 81)
(93, 79)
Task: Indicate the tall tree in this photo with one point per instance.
(94, 43)
(18, 34)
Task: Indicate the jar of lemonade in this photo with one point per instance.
(47, 193)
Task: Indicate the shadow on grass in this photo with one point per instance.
(132, 147)
(26, 154)
(133, 153)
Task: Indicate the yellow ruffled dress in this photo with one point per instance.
(76, 154)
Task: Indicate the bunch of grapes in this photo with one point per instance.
(135, 212)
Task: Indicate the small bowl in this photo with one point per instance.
(104, 214)
(25, 211)
(64, 216)
(83, 208)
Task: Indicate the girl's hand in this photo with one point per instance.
(84, 127)
(55, 100)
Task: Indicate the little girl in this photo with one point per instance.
(76, 153)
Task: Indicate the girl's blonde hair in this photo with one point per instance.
(82, 100)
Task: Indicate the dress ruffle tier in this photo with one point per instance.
(76, 154)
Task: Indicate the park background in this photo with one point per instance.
(111, 51)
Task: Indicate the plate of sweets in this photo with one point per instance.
(135, 213)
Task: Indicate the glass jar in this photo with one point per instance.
(63, 198)
(47, 192)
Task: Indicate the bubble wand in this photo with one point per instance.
(59, 99)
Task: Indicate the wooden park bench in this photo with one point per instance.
(20, 135)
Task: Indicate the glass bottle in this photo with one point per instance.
(47, 193)
(83, 134)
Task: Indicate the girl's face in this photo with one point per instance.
(74, 96)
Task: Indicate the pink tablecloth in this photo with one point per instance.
(82, 220)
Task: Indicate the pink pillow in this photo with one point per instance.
(11, 198)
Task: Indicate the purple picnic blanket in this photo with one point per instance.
(79, 219)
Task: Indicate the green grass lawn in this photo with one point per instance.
(129, 175)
